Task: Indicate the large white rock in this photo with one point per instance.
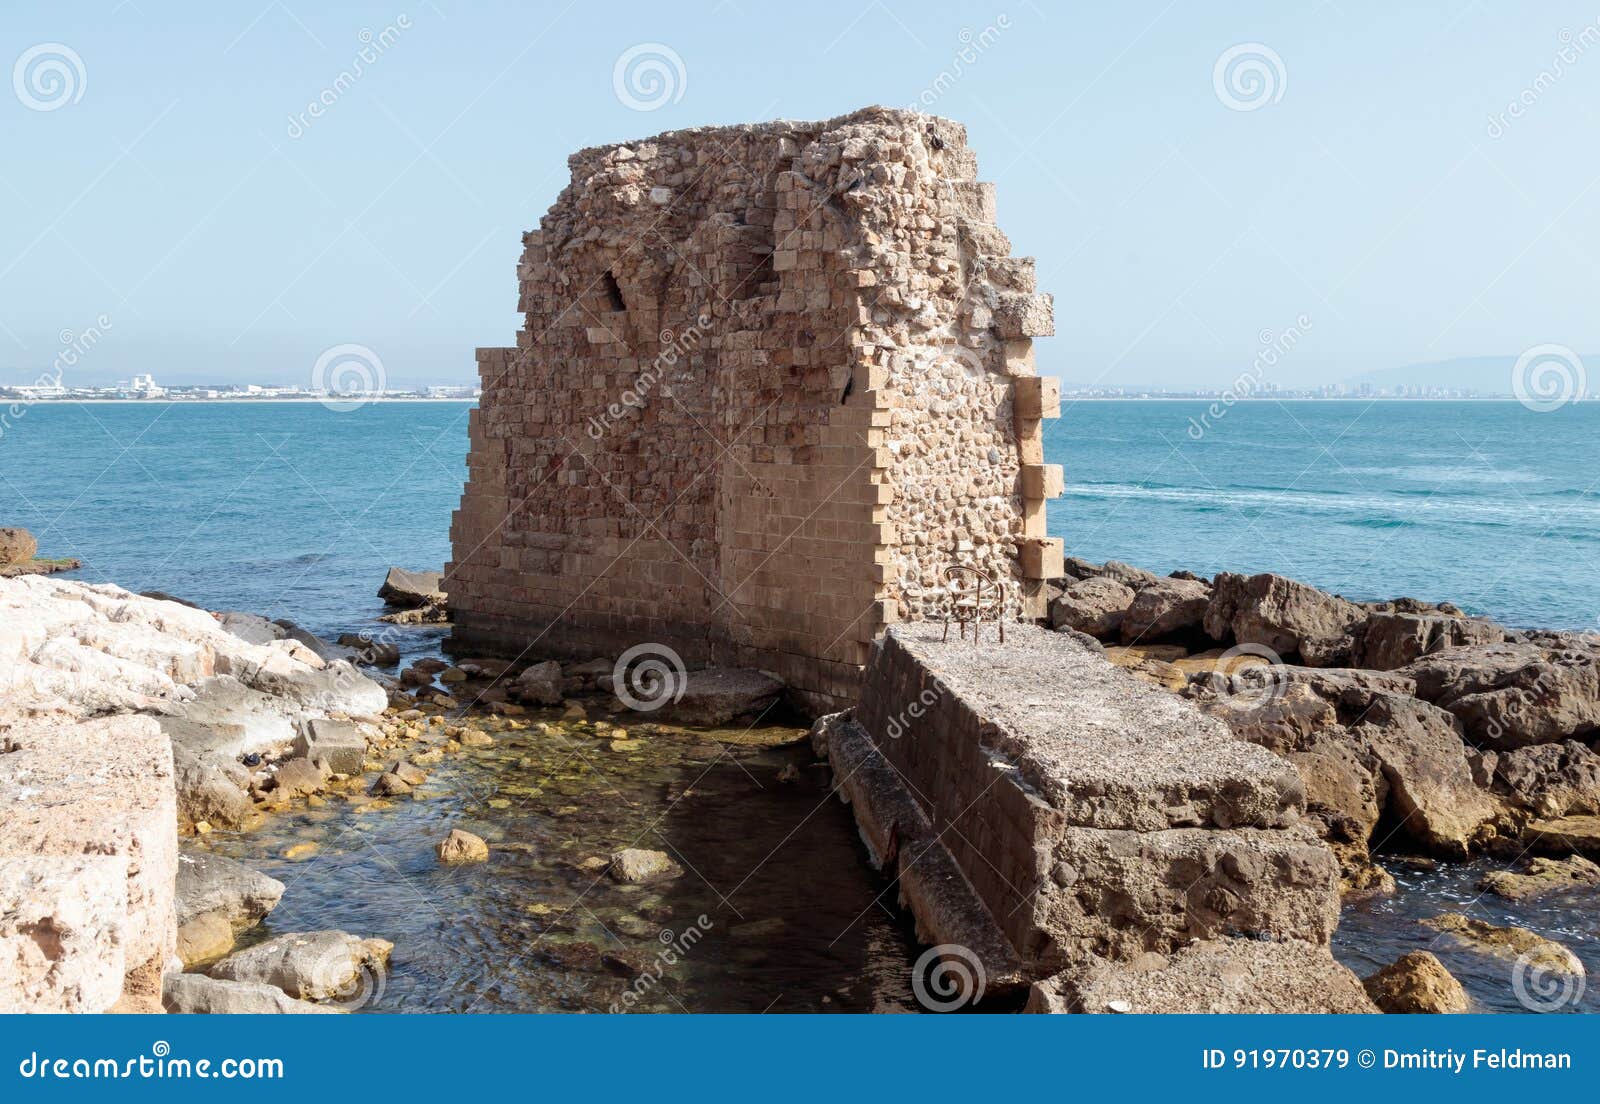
(96, 789)
(87, 649)
(61, 932)
(89, 809)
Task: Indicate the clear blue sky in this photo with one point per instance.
(1368, 194)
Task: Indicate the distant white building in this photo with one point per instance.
(146, 385)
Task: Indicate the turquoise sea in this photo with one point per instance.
(295, 510)
(1486, 504)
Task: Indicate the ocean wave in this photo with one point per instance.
(1583, 516)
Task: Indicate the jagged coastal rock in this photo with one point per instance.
(320, 965)
(417, 597)
(1462, 735)
(1416, 983)
(123, 720)
(19, 556)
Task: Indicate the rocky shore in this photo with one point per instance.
(124, 721)
(134, 727)
(19, 555)
(1414, 727)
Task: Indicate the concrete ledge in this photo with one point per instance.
(902, 844)
(1043, 808)
(1224, 976)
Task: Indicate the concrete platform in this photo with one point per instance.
(1049, 812)
(1221, 976)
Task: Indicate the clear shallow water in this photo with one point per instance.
(774, 912)
(1488, 505)
(1373, 934)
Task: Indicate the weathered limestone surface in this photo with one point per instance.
(62, 921)
(89, 790)
(772, 381)
(197, 994)
(1048, 811)
(1216, 976)
(121, 718)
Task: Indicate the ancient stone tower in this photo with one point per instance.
(772, 381)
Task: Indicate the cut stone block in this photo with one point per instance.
(1041, 558)
(340, 744)
(61, 926)
(1215, 976)
(1036, 397)
(1020, 315)
(1042, 481)
(1063, 813)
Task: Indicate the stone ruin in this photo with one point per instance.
(772, 381)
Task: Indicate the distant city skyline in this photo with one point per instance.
(228, 194)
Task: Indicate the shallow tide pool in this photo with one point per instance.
(776, 909)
